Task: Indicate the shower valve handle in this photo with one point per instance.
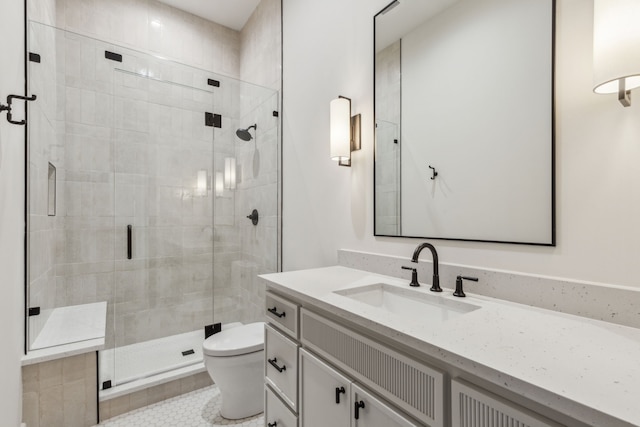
(273, 424)
(254, 217)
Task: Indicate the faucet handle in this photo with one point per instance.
(459, 291)
(414, 275)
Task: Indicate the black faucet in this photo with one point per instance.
(435, 285)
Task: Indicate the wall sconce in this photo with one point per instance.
(201, 183)
(230, 173)
(219, 184)
(344, 132)
(616, 43)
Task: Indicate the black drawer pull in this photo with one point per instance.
(274, 311)
(274, 362)
(129, 241)
(273, 424)
(357, 407)
(338, 391)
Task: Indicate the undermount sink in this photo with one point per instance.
(407, 302)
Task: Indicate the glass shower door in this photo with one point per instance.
(163, 225)
(247, 143)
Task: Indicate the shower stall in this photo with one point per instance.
(152, 186)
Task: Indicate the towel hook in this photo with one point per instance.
(433, 171)
(7, 107)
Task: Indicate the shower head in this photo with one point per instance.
(244, 134)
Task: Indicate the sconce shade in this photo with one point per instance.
(340, 129)
(616, 45)
(230, 173)
(201, 186)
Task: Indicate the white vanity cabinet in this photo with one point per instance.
(308, 390)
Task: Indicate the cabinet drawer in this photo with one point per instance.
(282, 313)
(276, 413)
(281, 365)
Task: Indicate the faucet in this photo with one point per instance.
(435, 285)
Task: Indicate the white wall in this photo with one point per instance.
(11, 214)
(328, 52)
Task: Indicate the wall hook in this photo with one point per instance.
(433, 171)
(7, 107)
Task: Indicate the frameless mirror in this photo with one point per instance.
(464, 120)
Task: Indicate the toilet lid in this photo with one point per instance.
(234, 341)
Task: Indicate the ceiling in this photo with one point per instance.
(230, 13)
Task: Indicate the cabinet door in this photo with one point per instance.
(368, 411)
(324, 394)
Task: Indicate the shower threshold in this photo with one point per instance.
(146, 364)
(142, 365)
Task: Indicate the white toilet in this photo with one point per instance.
(234, 358)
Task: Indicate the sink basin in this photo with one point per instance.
(407, 302)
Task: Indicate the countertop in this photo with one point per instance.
(587, 369)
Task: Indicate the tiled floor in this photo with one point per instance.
(200, 408)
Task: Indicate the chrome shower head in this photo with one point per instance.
(244, 134)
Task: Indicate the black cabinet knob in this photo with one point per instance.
(339, 390)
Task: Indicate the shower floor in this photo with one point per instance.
(137, 366)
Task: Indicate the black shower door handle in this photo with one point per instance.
(129, 241)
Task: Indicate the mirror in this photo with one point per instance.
(464, 120)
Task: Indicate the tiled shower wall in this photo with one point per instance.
(76, 256)
(260, 63)
(388, 140)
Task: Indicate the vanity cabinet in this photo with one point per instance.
(329, 398)
(320, 373)
(414, 375)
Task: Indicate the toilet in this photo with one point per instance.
(234, 359)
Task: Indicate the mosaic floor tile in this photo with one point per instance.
(200, 408)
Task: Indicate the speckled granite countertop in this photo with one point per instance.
(587, 369)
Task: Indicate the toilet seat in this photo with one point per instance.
(235, 341)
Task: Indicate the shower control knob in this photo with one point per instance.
(253, 217)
